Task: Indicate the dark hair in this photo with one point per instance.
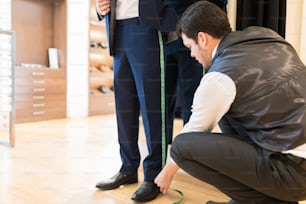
(206, 17)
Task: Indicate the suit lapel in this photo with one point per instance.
(112, 26)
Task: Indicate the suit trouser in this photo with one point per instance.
(183, 75)
(137, 90)
(241, 169)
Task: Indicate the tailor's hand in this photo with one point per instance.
(164, 178)
(103, 6)
(163, 181)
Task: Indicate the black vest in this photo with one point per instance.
(270, 105)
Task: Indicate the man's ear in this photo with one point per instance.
(202, 38)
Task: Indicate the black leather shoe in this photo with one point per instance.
(229, 202)
(116, 181)
(146, 192)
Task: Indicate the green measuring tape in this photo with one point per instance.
(162, 102)
(163, 109)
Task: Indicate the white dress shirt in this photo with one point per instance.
(211, 101)
(126, 9)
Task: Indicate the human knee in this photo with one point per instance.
(178, 145)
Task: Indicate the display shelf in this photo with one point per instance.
(7, 90)
(40, 94)
(40, 89)
(39, 25)
(101, 97)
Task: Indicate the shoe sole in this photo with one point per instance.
(145, 200)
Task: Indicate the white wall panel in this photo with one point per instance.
(303, 34)
(77, 58)
(293, 22)
(5, 14)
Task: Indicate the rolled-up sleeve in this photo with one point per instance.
(212, 100)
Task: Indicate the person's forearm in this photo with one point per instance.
(172, 167)
(164, 178)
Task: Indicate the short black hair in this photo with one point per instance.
(206, 17)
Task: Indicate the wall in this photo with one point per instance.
(77, 58)
(231, 11)
(5, 14)
(296, 26)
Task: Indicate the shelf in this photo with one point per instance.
(100, 67)
(40, 94)
(7, 89)
(99, 57)
(40, 90)
(106, 107)
(39, 25)
(97, 33)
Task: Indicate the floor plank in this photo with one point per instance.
(60, 161)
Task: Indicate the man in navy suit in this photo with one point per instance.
(133, 28)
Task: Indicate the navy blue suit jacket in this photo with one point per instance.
(181, 5)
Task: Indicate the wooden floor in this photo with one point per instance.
(60, 161)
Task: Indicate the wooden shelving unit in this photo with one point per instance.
(40, 90)
(40, 94)
(7, 89)
(100, 67)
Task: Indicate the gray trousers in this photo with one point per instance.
(241, 169)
